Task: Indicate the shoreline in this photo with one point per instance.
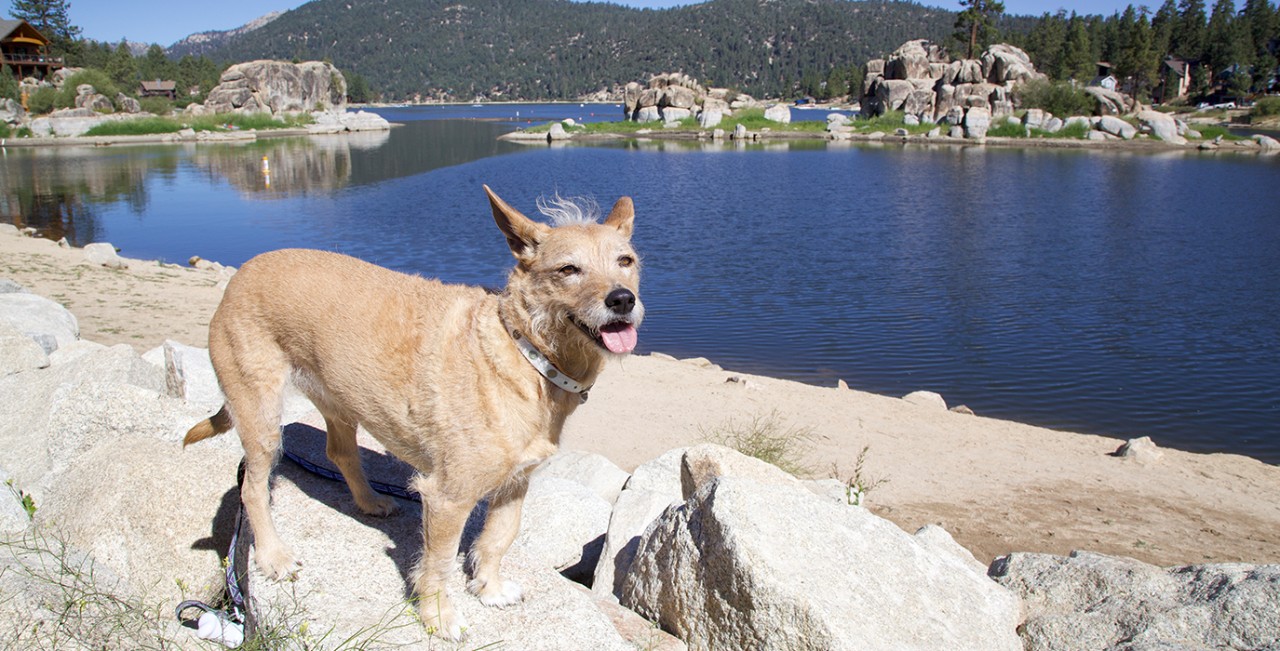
(997, 486)
(1248, 146)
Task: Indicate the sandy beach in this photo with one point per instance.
(997, 486)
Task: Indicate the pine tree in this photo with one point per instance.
(1189, 34)
(1262, 26)
(1045, 43)
(1134, 58)
(1162, 26)
(155, 65)
(121, 66)
(1077, 52)
(975, 25)
(1225, 45)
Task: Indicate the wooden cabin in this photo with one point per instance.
(25, 50)
(158, 88)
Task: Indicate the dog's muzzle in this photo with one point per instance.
(618, 336)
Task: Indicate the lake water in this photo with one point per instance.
(1123, 294)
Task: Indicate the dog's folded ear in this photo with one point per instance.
(523, 234)
(622, 217)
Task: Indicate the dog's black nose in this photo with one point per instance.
(621, 301)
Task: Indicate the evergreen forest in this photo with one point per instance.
(462, 50)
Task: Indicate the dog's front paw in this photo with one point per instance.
(499, 594)
(278, 563)
(443, 622)
(378, 505)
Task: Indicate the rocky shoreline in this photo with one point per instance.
(638, 520)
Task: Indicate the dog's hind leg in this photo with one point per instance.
(343, 451)
(254, 387)
(500, 529)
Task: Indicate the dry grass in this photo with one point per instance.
(767, 438)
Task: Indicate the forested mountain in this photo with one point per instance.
(554, 49)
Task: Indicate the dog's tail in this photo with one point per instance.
(209, 427)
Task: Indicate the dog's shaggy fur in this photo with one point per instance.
(430, 370)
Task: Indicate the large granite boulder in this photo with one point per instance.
(1111, 102)
(1003, 63)
(1093, 601)
(278, 87)
(913, 59)
(89, 98)
(780, 113)
(50, 324)
(1117, 127)
(754, 563)
(977, 121)
(1160, 125)
(11, 112)
(18, 352)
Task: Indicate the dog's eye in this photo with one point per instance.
(569, 270)
(626, 261)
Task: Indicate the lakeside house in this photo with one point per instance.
(1175, 80)
(1104, 78)
(26, 51)
(158, 88)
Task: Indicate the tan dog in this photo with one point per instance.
(467, 386)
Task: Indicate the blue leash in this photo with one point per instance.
(237, 612)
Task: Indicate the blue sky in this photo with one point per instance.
(166, 21)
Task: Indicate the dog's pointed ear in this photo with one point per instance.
(622, 217)
(523, 234)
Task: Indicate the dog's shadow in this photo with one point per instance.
(403, 528)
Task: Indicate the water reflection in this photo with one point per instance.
(60, 191)
(280, 168)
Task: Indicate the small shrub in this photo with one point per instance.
(1057, 97)
(156, 105)
(8, 84)
(767, 439)
(1266, 107)
(42, 100)
(96, 78)
(5, 132)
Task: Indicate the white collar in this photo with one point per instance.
(546, 368)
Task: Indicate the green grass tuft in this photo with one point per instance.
(135, 127)
(1212, 131)
(215, 123)
(1006, 129)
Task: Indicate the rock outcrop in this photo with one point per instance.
(1093, 601)
(675, 96)
(278, 87)
(750, 565)
(920, 80)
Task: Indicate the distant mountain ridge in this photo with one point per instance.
(557, 49)
(204, 42)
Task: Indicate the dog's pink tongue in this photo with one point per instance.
(619, 337)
